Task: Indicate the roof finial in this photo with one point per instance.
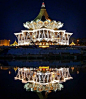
(43, 5)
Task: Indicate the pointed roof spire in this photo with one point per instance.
(43, 15)
(43, 5)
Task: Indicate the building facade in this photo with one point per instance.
(43, 31)
(4, 42)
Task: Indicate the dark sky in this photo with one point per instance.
(13, 13)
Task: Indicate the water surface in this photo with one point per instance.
(14, 89)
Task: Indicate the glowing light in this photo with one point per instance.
(44, 46)
(33, 36)
(53, 36)
(9, 72)
(72, 43)
(47, 43)
(44, 67)
(72, 68)
(47, 30)
(40, 43)
(45, 73)
(77, 72)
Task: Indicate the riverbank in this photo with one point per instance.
(51, 53)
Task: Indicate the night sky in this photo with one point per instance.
(13, 13)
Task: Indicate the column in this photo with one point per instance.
(58, 36)
(18, 73)
(59, 76)
(65, 39)
(64, 72)
(47, 35)
(39, 35)
(68, 38)
(44, 34)
(18, 38)
(39, 77)
(68, 74)
(43, 78)
(36, 33)
(47, 78)
(36, 78)
(24, 37)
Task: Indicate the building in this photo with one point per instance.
(43, 75)
(4, 42)
(14, 44)
(72, 43)
(43, 31)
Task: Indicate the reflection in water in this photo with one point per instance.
(72, 68)
(43, 79)
(35, 63)
(77, 72)
(39, 88)
(42, 88)
(9, 72)
(43, 75)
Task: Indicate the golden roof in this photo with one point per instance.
(14, 44)
(72, 43)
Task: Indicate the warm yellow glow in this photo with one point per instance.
(35, 43)
(77, 72)
(33, 36)
(53, 75)
(4, 42)
(43, 46)
(40, 43)
(14, 44)
(47, 44)
(15, 68)
(49, 20)
(53, 36)
(58, 38)
(72, 43)
(40, 22)
(77, 40)
(46, 22)
(9, 72)
(44, 67)
(72, 68)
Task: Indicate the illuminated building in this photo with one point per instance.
(72, 43)
(14, 44)
(4, 42)
(43, 31)
(43, 75)
(39, 88)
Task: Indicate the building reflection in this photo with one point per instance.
(39, 87)
(43, 79)
(9, 68)
(43, 75)
(72, 68)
